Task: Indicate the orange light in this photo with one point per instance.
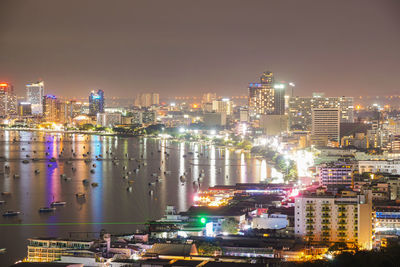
(3, 84)
(195, 106)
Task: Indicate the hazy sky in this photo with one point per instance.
(184, 47)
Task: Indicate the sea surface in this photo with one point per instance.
(110, 205)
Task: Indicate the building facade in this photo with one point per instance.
(262, 95)
(379, 166)
(325, 125)
(223, 105)
(8, 99)
(34, 95)
(336, 173)
(96, 102)
(50, 108)
(108, 119)
(300, 109)
(323, 218)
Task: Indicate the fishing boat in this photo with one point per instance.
(2, 202)
(47, 209)
(6, 193)
(11, 213)
(95, 184)
(58, 203)
(3, 250)
(85, 181)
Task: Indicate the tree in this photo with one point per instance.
(230, 226)
(208, 249)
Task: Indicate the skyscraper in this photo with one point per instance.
(8, 99)
(266, 97)
(96, 102)
(224, 105)
(300, 109)
(325, 125)
(34, 95)
(50, 108)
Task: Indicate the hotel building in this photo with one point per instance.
(326, 218)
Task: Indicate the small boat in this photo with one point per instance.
(37, 171)
(129, 189)
(25, 161)
(16, 176)
(11, 213)
(52, 159)
(85, 181)
(6, 193)
(63, 175)
(67, 179)
(2, 202)
(87, 160)
(3, 250)
(58, 203)
(47, 209)
(94, 184)
(80, 195)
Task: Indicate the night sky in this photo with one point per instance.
(183, 47)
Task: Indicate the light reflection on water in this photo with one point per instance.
(110, 201)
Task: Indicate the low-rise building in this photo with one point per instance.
(108, 119)
(379, 166)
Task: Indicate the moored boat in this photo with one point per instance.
(11, 213)
(47, 209)
(80, 195)
(58, 203)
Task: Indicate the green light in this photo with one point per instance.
(203, 220)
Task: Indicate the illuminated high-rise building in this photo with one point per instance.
(266, 97)
(50, 108)
(96, 102)
(8, 99)
(224, 105)
(300, 109)
(325, 125)
(34, 95)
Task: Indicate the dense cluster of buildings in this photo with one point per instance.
(346, 187)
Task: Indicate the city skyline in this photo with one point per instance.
(185, 52)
